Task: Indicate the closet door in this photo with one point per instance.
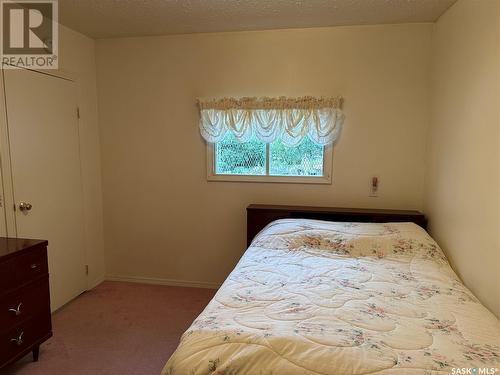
(46, 173)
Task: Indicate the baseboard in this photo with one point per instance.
(159, 281)
(95, 282)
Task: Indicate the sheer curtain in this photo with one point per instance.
(269, 119)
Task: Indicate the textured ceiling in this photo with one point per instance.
(116, 18)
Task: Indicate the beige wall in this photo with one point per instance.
(163, 220)
(77, 56)
(462, 196)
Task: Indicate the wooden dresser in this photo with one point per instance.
(25, 320)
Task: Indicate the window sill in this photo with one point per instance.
(323, 180)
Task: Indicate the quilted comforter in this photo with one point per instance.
(313, 297)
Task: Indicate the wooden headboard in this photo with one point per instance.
(259, 215)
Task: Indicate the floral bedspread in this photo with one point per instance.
(315, 297)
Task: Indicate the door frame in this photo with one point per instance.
(7, 199)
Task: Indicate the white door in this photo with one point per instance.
(46, 173)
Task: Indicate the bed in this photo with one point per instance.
(369, 293)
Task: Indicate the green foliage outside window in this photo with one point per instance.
(306, 159)
(235, 158)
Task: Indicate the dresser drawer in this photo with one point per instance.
(24, 303)
(22, 337)
(26, 267)
(7, 276)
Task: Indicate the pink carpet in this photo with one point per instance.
(117, 328)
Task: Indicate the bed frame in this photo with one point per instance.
(259, 215)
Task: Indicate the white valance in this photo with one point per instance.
(269, 119)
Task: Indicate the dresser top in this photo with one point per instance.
(10, 246)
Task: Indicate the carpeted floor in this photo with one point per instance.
(117, 328)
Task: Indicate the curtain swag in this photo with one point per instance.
(270, 119)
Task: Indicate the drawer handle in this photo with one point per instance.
(19, 340)
(17, 310)
(33, 266)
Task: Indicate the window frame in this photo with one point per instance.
(325, 179)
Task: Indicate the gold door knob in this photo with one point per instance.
(25, 206)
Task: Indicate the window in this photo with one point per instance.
(231, 160)
(270, 139)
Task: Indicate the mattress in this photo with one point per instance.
(314, 297)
